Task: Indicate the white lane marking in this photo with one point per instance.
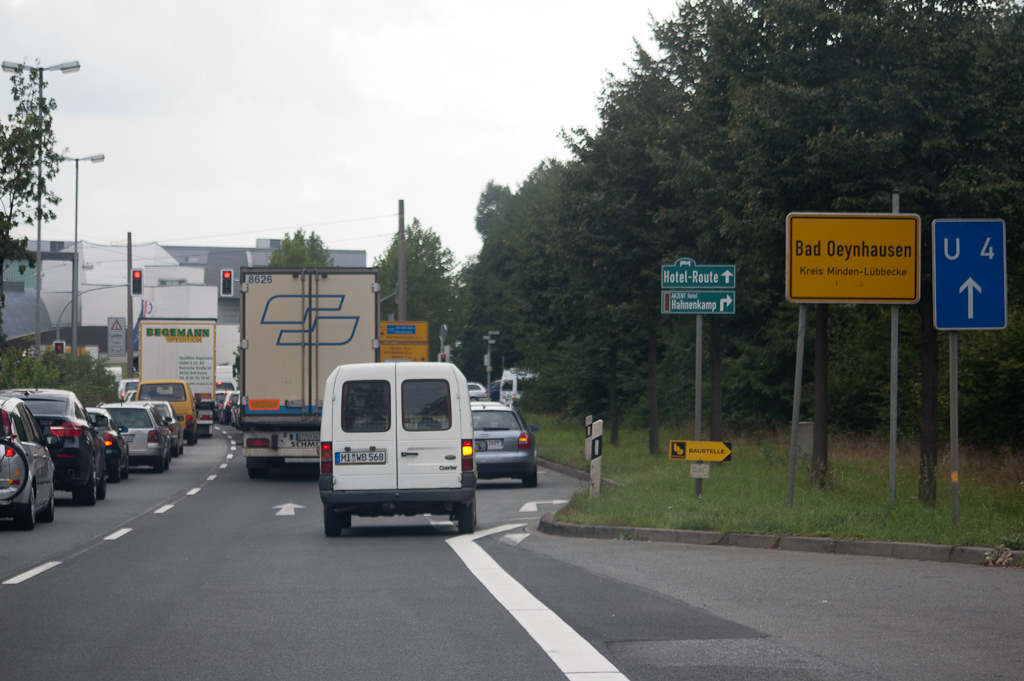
(514, 538)
(33, 572)
(117, 535)
(577, 659)
(164, 509)
(223, 465)
(444, 526)
(531, 506)
(287, 509)
(212, 477)
(230, 456)
(192, 492)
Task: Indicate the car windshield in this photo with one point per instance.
(494, 420)
(172, 392)
(131, 418)
(46, 406)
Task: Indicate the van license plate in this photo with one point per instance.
(360, 457)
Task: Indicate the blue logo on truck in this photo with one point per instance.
(323, 319)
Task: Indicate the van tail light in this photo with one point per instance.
(257, 442)
(524, 440)
(67, 429)
(188, 420)
(325, 458)
(467, 455)
(153, 436)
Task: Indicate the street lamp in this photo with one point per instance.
(96, 158)
(14, 67)
(490, 342)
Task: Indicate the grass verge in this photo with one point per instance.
(749, 493)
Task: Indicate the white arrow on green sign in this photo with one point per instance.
(686, 273)
(698, 302)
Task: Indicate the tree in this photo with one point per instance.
(432, 282)
(298, 250)
(27, 145)
(489, 208)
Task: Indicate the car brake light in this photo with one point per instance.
(5, 419)
(7, 451)
(188, 419)
(325, 458)
(154, 436)
(108, 441)
(257, 442)
(524, 440)
(467, 455)
(67, 429)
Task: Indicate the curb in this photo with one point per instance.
(941, 553)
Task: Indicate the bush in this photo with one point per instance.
(86, 377)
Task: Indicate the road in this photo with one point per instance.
(201, 573)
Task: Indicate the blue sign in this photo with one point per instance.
(969, 274)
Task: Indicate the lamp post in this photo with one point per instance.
(14, 67)
(95, 158)
(490, 342)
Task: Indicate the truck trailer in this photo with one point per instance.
(297, 326)
(182, 350)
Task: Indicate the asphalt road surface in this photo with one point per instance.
(202, 573)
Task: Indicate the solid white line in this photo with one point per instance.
(577, 659)
(164, 509)
(32, 573)
(194, 491)
(117, 535)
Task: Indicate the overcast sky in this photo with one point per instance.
(223, 122)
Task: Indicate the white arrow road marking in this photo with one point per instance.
(971, 287)
(514, 538)
(33, 572)
(287, 509)
(531, 506)
(725, 302)
(117, 535)
(164, 509)
(577, 659)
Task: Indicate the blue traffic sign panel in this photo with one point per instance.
(969, 274)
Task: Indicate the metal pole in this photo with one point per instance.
(699, 377)
(129, 322)
(797, 384)
(894, 347)
(39, 221)
(74, 277)
(954, 429)
(401, 261)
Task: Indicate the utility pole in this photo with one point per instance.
(130, 330)
(401, 261)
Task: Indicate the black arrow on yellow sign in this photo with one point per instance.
(699, 450)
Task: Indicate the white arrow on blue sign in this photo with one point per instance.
(969, 274)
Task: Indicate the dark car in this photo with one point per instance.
(79, 461)
(505, 445)
(26, 470)
(114, 445)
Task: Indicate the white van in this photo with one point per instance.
(397, 439)
(511, 384)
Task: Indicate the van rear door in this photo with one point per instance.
(365, 429)
(429, 435)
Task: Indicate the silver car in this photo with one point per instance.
(148, 444)
(177, 433)
(478, 392)
(505, 445)
(26, 470)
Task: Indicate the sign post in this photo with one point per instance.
(969, 293)
(594, 454)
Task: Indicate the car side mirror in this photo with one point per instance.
(51, 441)
(122, 429)
(168, 421)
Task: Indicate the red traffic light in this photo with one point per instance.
(136, 282)
(226, 274)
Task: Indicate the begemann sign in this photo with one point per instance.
(853, 258)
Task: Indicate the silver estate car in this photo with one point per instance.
(505, 445)
(148, 444)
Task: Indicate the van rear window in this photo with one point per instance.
(426, 405)
(171, 392)
(366, 407)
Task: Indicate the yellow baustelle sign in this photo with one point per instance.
(853, 258)
(699, 450)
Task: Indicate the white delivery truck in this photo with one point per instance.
(182, 350)
(297, 326)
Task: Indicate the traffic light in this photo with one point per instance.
(58, 346)
(227, 283)
(136, 282)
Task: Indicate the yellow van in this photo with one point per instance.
(179, 394)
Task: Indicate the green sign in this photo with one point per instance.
(686, 273)
(698, 302)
